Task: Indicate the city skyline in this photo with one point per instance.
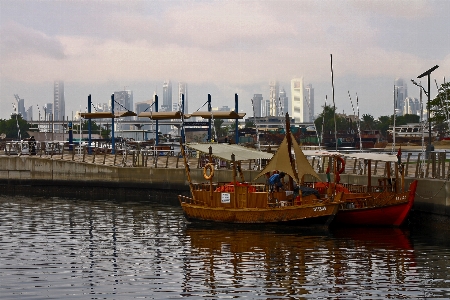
(227, 47)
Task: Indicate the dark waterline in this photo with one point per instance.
(53, 248)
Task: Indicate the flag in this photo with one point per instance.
(399, 155)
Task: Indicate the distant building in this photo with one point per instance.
(223, 108)
(183, 90)
(266, 104)
(145, 106)
(59, 103)
(309, 94)
(21, 107)
(257, 105)
(123, 100)
(30, 113)
(274, 91)
(167, 96)
(284, 100)
(300, 111)
(411, 106)
(400, 94)
(48, 112)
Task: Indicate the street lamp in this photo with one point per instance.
(427, 73)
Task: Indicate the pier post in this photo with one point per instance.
(210, 120)
(113, 142)
(89, 124)
(236, 127)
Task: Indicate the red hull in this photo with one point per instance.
(393, 215)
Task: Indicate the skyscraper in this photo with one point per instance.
(182, 89)
(284, 100)
(309, 94)
(274, 92)
(300, 111)
(59, 104)
(257, 105)
(30, 113)
(401, 93)
(167, 96)
(124, 100)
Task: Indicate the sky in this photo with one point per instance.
(221, 48)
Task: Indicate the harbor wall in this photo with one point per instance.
(35, 176)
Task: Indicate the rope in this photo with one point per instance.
(443, 184)
(202, 106)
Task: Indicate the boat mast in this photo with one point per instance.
(291, 159)
(334, 104)
(395, 114)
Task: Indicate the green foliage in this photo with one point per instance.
(9, 127)
(328, 121)
(95, 128)
(220, 131)
(249, 124)
(368, 122)
(440, 107)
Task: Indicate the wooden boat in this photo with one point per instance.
(250, 202)
(385, 204)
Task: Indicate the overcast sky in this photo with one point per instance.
(221, 48)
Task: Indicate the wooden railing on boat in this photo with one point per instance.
(246, 196)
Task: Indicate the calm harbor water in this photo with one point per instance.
(77, 249)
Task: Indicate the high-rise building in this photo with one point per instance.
(21, 107)
(182, 90)
(30, 113)
(274, 91)
(300, 111)
(123, 100)
(309, 94)
(266, 108)
(145, 106)
(412, 106)
(59, 103)
(401, 93)
(284, 100)
(48, 112)
(167, 96)
(257, 105)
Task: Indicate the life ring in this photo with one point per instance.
(209, 167)
(342, 169)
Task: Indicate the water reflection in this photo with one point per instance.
(284, 263)
(59, 248)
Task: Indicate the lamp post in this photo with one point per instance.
(427, 73)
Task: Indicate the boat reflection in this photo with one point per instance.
(298, 262)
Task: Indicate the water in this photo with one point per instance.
(76, 249)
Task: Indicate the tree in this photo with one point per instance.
(440, 107)
(220, 131)
(368, 122)
(249, 124)
(383, 124)
(9, 127)
(328, 120)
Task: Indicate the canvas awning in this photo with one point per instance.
(107, 115)
(218, 114)
(281, 162)
(224, 151)
(97, 115)
(163, 115)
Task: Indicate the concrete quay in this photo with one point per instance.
(118, 177)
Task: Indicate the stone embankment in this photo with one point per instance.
(139, 175)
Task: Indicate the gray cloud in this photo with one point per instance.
(19, 41)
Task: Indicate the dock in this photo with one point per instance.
(141, 173)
